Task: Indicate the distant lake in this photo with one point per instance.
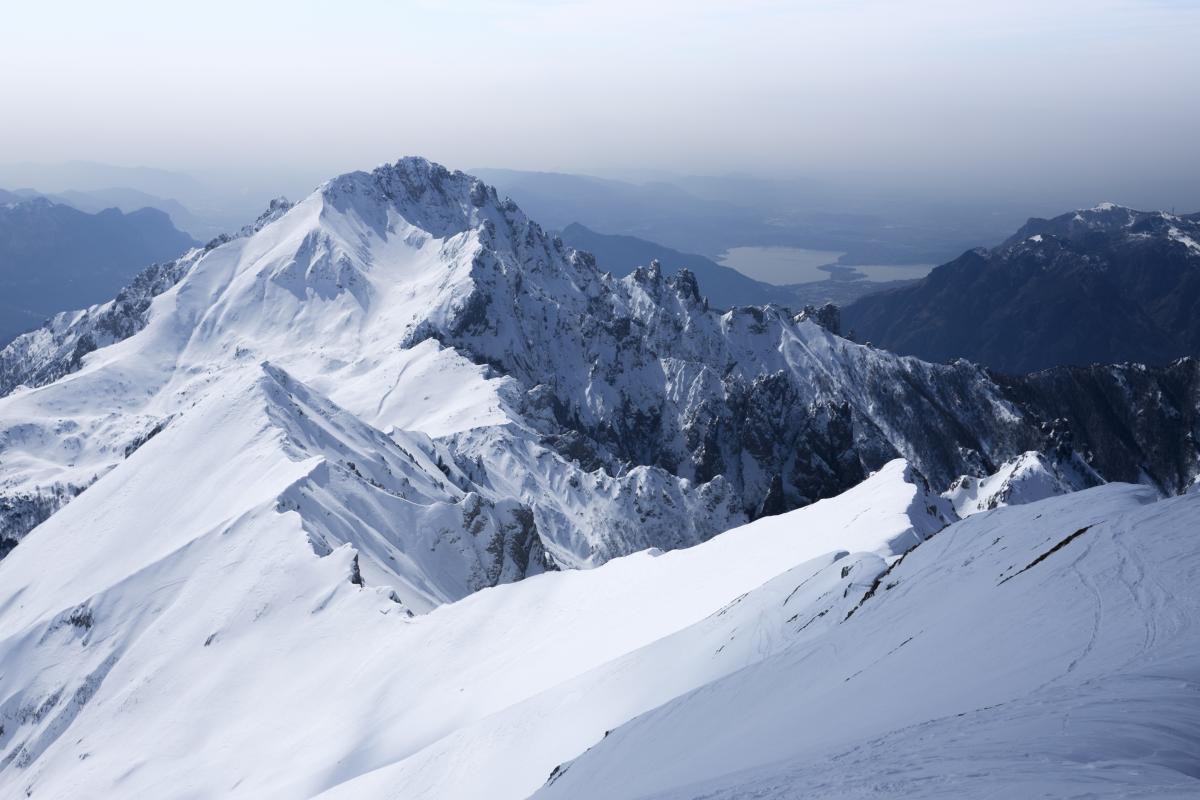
(784, 265)
(893, 272)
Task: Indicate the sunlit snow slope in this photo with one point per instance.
(349, 292)
(199, 649)
(1043, 650)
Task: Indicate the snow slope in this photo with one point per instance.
(1044, 650)
(192, 644)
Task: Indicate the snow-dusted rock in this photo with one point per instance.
(1025, 479)
(1101, 285)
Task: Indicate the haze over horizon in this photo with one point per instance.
(992, 99)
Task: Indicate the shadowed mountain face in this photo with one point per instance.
(130, 200)
(54, 257)
(1098, 286)
(1136, 424)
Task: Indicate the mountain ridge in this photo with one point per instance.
(420, 301)
(1101, 285)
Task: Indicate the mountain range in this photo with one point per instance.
(54, 257)
(1096, 286)
(129, 200)
(625, 386)
(394, 493)
(710, 214)
(723, 285)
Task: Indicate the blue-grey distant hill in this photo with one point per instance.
(129, 200)
(54, 257)
(1101, 285)
(711, 214)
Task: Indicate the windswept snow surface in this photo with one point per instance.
(1042, 650)
(187, 642)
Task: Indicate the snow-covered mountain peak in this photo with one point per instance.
(410, 246)
(417, 195)
(424, 193)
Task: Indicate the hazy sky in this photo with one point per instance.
(938, 91)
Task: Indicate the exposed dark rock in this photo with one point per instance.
(827, 316)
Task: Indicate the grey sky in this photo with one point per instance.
(1016, 93)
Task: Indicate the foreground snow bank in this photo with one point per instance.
(175, 632)
(1046, 649)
